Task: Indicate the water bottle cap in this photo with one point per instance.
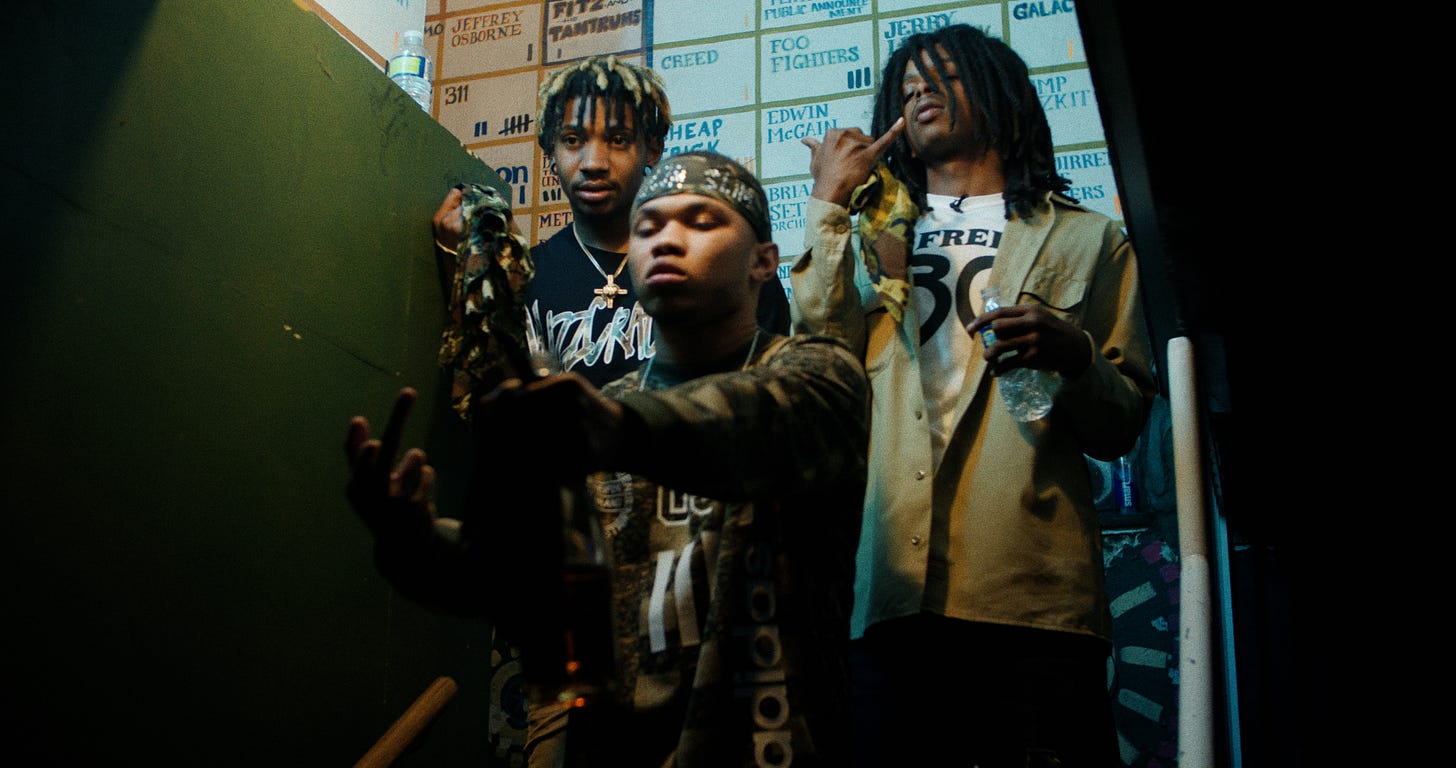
(412, 36)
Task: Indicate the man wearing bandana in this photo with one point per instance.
(729, 473)
(601, 125)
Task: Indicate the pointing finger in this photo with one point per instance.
(878, 147)
(810, 142)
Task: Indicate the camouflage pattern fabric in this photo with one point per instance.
(481, 346)
(733, 583)
(485, 341)
(886, 219)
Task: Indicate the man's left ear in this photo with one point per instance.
(765, 261)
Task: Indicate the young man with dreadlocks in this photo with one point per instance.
(603, 123)
(981, 627)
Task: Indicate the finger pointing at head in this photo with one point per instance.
(883, 142)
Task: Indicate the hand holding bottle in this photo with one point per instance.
(1027, 345)
(1030, 336)
(550, 431)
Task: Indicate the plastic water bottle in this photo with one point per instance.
(412, 68)
(1122, 485)
(1027, 391)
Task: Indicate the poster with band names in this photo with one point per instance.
(748, 78)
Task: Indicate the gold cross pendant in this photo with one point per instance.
(610, 291)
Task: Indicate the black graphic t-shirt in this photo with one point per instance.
(605, 343)
(601, 343)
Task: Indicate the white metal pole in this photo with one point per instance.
(1195, 659)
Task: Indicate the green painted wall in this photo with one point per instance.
(216, 244)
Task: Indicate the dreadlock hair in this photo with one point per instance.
(1003, 103)
(618, 83)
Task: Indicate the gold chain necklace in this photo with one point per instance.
(647, 370)
(611, 290)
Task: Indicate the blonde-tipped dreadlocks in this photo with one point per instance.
(618, 83)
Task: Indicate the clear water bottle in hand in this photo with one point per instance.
(412, 69)
(1027, 391)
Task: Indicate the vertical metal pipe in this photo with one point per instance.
(1195, 659)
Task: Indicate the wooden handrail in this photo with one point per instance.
(404, 731)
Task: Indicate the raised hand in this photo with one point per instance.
(844, 159)
(449, 220)
(394, 501)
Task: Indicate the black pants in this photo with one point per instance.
(932, 691)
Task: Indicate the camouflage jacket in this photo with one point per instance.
(732, 529)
